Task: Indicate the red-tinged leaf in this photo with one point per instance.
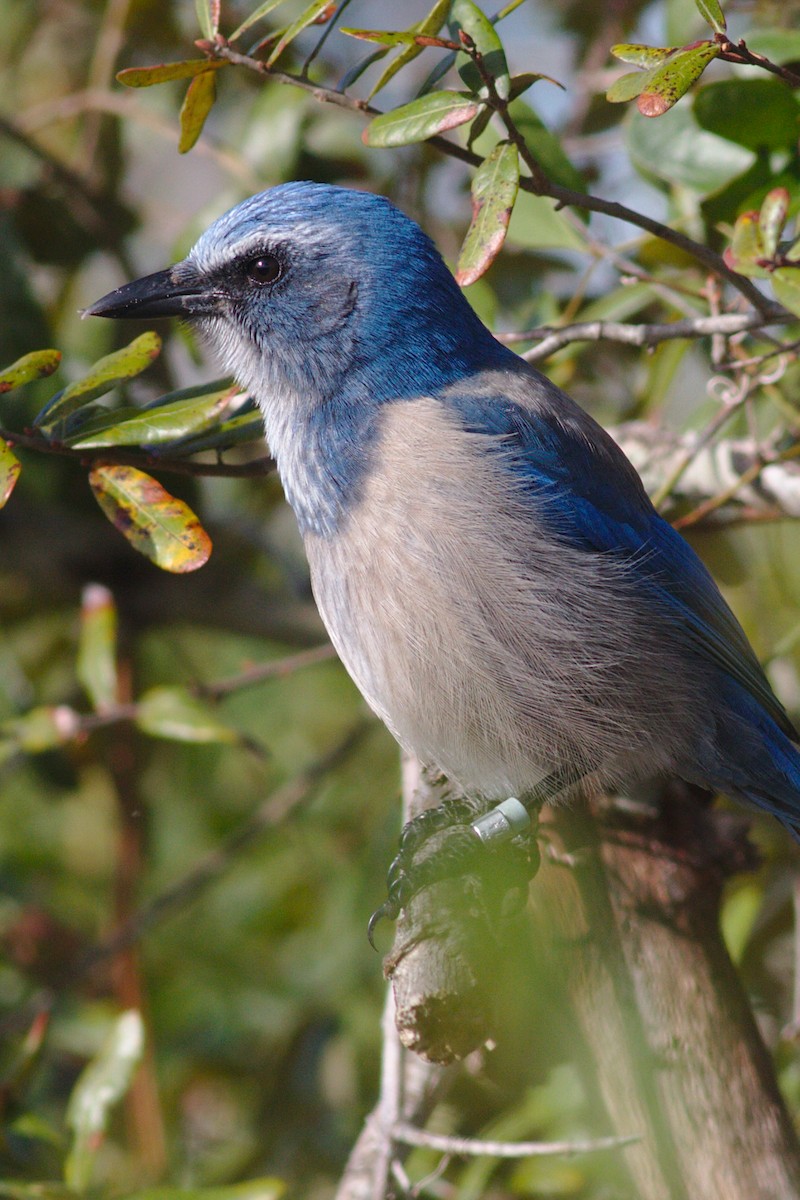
(197, 104)
(174, 713)
(37, 365)
(97, 647)
(421, 119)
(385, 37)
(712, 12)
(674, 78)
(158, 525)
(494, 190)
(772, 218)
(139, 77)
(10, 468)
(42, 728)
(123, 364)
(309, 16)
(746, 250)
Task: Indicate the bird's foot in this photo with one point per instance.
(457, 838)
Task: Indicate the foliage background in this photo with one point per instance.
(261, 996)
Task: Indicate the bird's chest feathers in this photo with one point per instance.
(402, 583)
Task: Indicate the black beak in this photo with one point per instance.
(164, 294)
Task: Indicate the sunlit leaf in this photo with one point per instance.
(786, 286)
(197, 104)
(123, 364)
(158, 525)
(137, 77)
(318, 11)
(627, 87)
(772, 218)
(494, 190)
(101, 1086)
(465, 15)
(175, 714)
(37, 365)
(96, 665)
(421, 119)
(157, 426)
(712, 12)
(674, 78)
(384, 37)
(10, 468)
(642, 56)
(42, 728)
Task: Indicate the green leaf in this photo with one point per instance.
(536, 224)
(42, 728)
(676, 150)
(139, 77)
(159, 526)
(14, 1189)
(642, 56)
(33, 366)
(175, 714)
(384, 37)
(761, 114)
(494, 190)
(96, 665)
(465, 15)
(262, 11)
(712, 12)
(10, 468)
(546, 148)
(772, 218)
(123, 364)
(156, 426)
(786, 286)
(627, 87)
(421, 119)
(197, 104)
(208, 16)
(101, 1085)
(674, 78)
(314, 13)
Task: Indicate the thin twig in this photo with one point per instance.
(275, 668)
(474, 1147)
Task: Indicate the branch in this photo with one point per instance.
(552, 339)
(255, 468)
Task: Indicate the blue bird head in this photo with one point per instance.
(310, 292)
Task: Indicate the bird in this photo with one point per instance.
(483, 555)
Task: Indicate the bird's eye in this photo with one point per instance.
(264, 269)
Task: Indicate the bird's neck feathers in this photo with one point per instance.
(322, 398)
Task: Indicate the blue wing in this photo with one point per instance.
(584, 485)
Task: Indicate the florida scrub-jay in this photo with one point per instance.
(485, 558)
